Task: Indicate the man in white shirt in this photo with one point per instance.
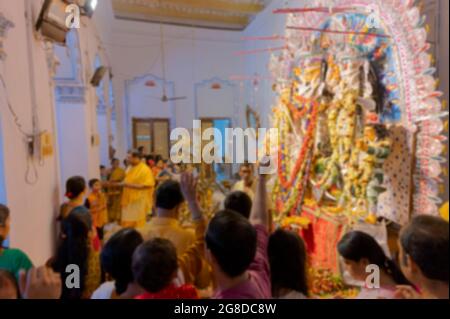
(247, 183)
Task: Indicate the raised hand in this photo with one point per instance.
(260, 214)
(189, 189)
(189, 186)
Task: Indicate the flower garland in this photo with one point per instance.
(299, 111)
(303, 150)
(298, 175)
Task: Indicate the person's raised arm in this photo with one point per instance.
(260, 213)
(188, 188)
(260, 219)
(191, 261)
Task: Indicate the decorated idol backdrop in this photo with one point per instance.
(360, 119)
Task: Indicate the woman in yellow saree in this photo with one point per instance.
(138, 187)
(115, 193)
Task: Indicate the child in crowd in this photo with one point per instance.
(97, 205)
(288, 265)
(116, 260)
(359, 250)
(424, 258)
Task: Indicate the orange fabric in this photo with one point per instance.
(98, 209)
(140, 174)
(115, 194)
(137, 203)
(137, 224)
(182, 238)
(169, 228)
(191, 262)
(92, 279)
(325, 237)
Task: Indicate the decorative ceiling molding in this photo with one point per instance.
(71, 94)
(217, 14)
(5, 25)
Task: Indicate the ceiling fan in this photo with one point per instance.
(164, 97)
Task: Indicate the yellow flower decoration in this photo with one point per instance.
(298, 72)
(299, 221)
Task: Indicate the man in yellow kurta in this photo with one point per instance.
(137, 196)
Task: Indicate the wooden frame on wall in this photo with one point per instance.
(151, 122)
(130, 114)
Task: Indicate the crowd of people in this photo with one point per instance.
(237, 254)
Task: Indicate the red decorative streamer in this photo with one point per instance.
(317, 9)
(303, 150)
(262, 38)
(340, 32)
(260, 50)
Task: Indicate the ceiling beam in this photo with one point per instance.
(219, 5)
(155, 14)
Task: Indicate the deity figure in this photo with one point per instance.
(377, 148)
(365, 178)
(346, 125)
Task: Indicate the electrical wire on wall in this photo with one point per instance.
(31, 172)
(92, 94)
(28, 138)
